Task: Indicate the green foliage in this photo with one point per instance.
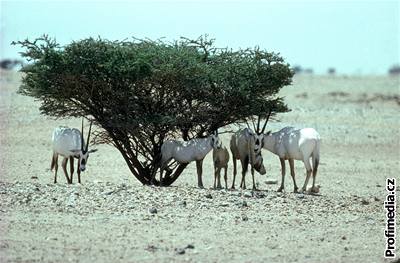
(142, 92)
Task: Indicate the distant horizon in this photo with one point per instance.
(353, 37)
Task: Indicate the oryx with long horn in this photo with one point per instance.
(246, 146)
(69, 143)
(295, 144)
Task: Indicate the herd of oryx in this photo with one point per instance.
(245, 145)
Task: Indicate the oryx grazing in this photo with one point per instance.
(220, 160)
(70, 144)
(188, 151)
(295, 144)
(246, 146)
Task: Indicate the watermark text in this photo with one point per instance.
(390, 210)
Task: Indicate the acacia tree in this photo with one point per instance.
(142, 92)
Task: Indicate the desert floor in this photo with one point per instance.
(107, 218)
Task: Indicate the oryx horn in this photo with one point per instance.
(88, 137)
(265, 123)
(82, 142)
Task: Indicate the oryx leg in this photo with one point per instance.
(219, 186)
(78, 171)
(163, 165)
(64, 166)
(291, 164)
(71, 167)
(254, 182)
(226, 177)
(309, 170)
(215, 177)
(234, 171)
(243, 182)
(153, 178)
(283, 171)
(199, 166)
(245, 164)
(55, 160)
(314, 173)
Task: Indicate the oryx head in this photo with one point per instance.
(258, 164)
(258, 135)
(255, 144)
(83, 153)
(257, 138)
(215, 141)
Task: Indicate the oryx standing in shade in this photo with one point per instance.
(188, 151)
(295, 144)
(69, 143)
(246, 146)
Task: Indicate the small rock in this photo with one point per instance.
(209, 196)
(71, 201)
(182, 203)
(260, 195)
(180, 251)
(274, 246)
(245, 218)
(247, 194)
(300, 196)
(151, 248)
(314, 190)
(376, 199)
(364, 202)
(152, 210)
(34, 177)
(190, 246)
(271, 181)
(346, 248)
(244, 204)
(344, 238)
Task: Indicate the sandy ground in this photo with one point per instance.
(107, 218)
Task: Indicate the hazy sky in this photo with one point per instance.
(352, 36)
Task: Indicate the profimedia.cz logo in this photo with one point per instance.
(390, 229)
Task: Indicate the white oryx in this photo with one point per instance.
(220, 160)
(295, 144)
(70, 144)
(246, 146)
(186, 152)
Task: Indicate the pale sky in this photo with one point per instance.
(355, 37)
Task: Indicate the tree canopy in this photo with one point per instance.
(142, 92)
